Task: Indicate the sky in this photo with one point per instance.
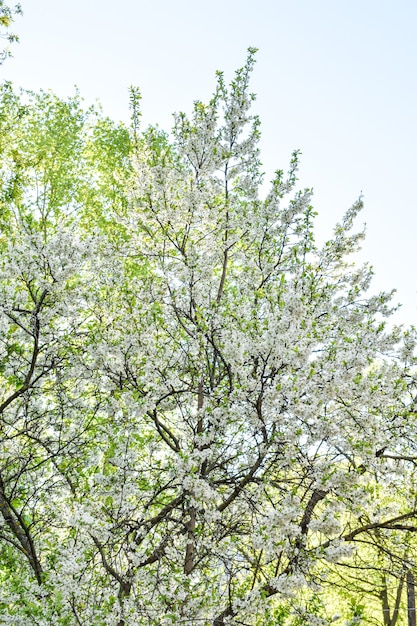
(336, 79)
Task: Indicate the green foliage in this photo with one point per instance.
(7, 15)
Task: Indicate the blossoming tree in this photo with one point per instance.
(201, 407)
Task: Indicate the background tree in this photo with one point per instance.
(7, 15)
(47, 188)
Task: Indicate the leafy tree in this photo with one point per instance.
(201, 408)
(7, 14)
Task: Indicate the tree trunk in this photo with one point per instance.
(385, 603)
(411, 599)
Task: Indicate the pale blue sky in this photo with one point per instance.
(334, 78)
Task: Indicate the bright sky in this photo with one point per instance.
(334, 78)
